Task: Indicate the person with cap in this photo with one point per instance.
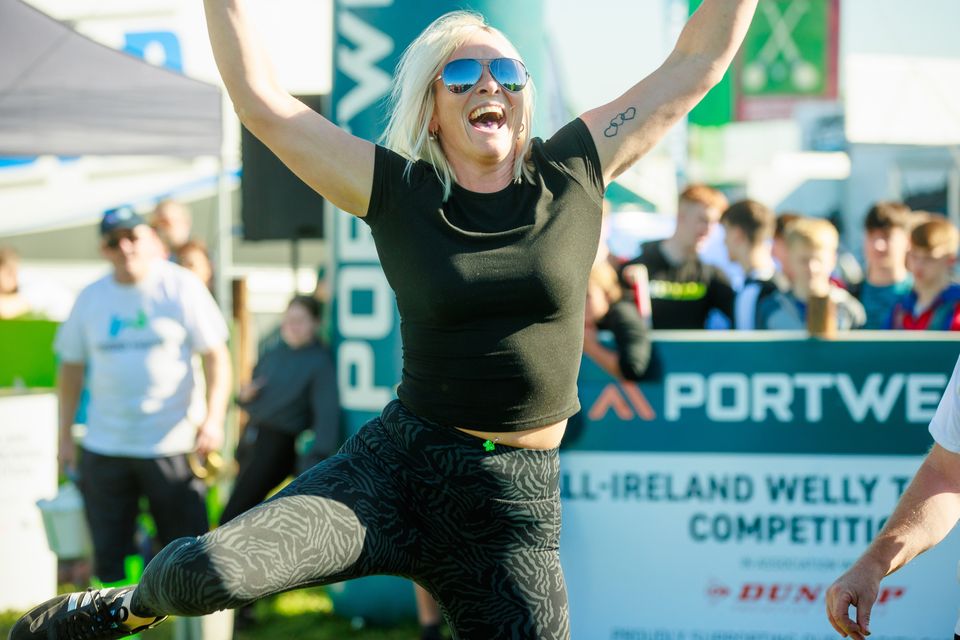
(130, 339)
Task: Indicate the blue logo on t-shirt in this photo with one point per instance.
(118, 324)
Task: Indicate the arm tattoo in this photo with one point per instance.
(618, 120)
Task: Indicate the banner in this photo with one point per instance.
(723, 495)
(28, 472)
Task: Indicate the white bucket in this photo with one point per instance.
(66, 524)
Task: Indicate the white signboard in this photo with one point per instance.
(28, 472)
(697, 547)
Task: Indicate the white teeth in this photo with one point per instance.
(485, 109)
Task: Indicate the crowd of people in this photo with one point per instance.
(782, 262)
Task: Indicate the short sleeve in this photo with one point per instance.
(572, 147)
(393, 182)
(204, 322)
(70, 344)
(945, 426)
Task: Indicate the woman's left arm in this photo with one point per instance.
(625, 129)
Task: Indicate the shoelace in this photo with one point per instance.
(93, 621)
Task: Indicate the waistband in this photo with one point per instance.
(438, 454)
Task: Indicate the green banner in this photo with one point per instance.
(26, 353)
(770, 395)
(787, 50)
(788, 54)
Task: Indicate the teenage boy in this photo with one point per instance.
(885, 243)
(748, 232)
(811, 256)
(683, 290)
(934, 302)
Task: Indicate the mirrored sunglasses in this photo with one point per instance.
(459, 76)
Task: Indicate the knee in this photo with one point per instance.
(177, 581)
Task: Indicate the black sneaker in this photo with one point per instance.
(85, 615)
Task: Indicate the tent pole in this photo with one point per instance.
(224, 239)
(224, 236)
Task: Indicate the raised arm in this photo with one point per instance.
(631, 125)
(337, 165)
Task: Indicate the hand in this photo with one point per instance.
(630, 274)
(209, 437)
(250, 390)
(858, 587)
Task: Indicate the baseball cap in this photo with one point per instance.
(120, 218)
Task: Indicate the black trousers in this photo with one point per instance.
(266, 458)
(112, 488)
(478, 529)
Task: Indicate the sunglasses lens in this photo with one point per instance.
(113, 240)
(510, 73)
(459, 75)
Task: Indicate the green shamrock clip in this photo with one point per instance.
(488, 445)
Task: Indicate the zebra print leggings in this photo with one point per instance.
(479, 530)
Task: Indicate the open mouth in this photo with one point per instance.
(487, 117)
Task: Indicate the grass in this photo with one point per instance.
(298, 615)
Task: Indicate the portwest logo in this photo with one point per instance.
(783, 397)
(785, 593)
(358, 272)
(626, 401)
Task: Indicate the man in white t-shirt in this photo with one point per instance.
(925, 514)
(130, 340)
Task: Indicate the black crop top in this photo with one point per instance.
(491, 286)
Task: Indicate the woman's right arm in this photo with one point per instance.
(334, 163)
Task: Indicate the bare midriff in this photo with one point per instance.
(545, 437)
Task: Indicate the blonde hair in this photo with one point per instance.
(937, 235)
(815, 233)
(412, 100)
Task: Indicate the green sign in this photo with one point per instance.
(787, 51)
(26, 353)
(854, 396)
